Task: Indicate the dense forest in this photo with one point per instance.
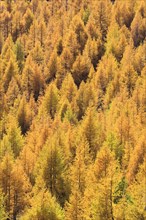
(73, 110)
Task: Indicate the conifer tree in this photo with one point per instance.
(136, 208)
(78, 27)
(124, 13)
(19, 51)
(92, 48)
(5, 179)
(129, 78)
(66, 60)
(11, 71)
(74, 208)
(13, 92)
(3, 214)
(42, 32)
(28, 19)
(44, 206)
(13, 134)
(6, 21)
(23, 116)
(51, 167)
(102, 17)
(101, 183)
(138, 31)
(85, 98)
(37, 53)
(51, 67)
(66, 111)
(72, 43)
(90, 130)
(81, 68)
(51, 100)
(14, 184)
(68, 88)
(33, 35)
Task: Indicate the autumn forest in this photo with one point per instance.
(72, 110)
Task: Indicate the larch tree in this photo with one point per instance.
(51, 167)
(43, 207)
(14, 185)
(51, 100)
(19, 51)
(52, 67)
(23, 115)
(68, 88)
(3, 214)
(11, 71)
(32, 35)
(42, 32)
(13, 92)
(138, 31)
(85, 98)
(136, 209)
(102, 17)
(90, 130)
(14, 137)
(93, 49)
(81, 68)
(74, 208)
(27, 20)
(105, 176)
(37, 53)
(71, 43)
(79, 29)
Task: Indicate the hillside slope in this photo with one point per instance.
(73, 110)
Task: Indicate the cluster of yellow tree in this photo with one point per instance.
(73, 110)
